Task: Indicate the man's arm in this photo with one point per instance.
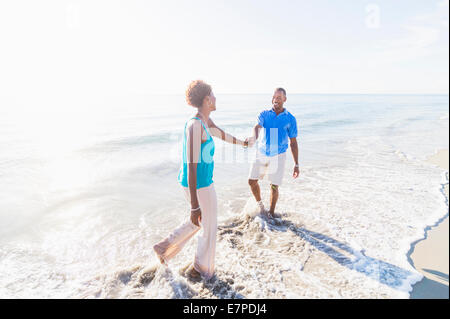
(256, 129)
(294, 149)
(252, 140)
(218, 132)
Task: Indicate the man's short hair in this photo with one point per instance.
(281, 90)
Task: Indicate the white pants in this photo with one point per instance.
(206, 247)
(272, 165)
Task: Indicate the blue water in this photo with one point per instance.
(102, 171)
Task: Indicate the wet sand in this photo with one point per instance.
(431, 256)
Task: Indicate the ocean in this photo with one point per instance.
(86, 190)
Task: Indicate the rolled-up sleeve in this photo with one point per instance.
(261, 119)
(292, 128)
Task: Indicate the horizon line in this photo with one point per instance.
(303, 93)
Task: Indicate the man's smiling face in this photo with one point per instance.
(278, 99)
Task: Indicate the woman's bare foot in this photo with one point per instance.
(159, 255)
(193, 274)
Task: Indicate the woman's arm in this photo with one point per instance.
(193, 143)
(218, 132)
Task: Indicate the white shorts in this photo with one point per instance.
(273, 166)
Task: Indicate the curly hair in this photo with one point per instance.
(196, 92)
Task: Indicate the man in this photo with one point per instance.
(280, 131)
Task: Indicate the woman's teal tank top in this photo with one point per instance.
(205, 166)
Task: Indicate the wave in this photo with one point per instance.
(123, 143)
(330, 124)
(267, 258)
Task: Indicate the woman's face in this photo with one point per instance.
(212, 100)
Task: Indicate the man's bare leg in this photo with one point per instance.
(256, 193)
(273, 199)
(255, 189)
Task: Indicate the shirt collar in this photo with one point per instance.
(284, 112)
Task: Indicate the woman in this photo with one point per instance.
(195, 177)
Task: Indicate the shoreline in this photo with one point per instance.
(430, 255)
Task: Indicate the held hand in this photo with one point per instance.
(196, 217)
(250, 141)
(296, 172)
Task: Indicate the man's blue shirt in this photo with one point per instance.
(277, 131)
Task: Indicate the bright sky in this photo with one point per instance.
(72, 48)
